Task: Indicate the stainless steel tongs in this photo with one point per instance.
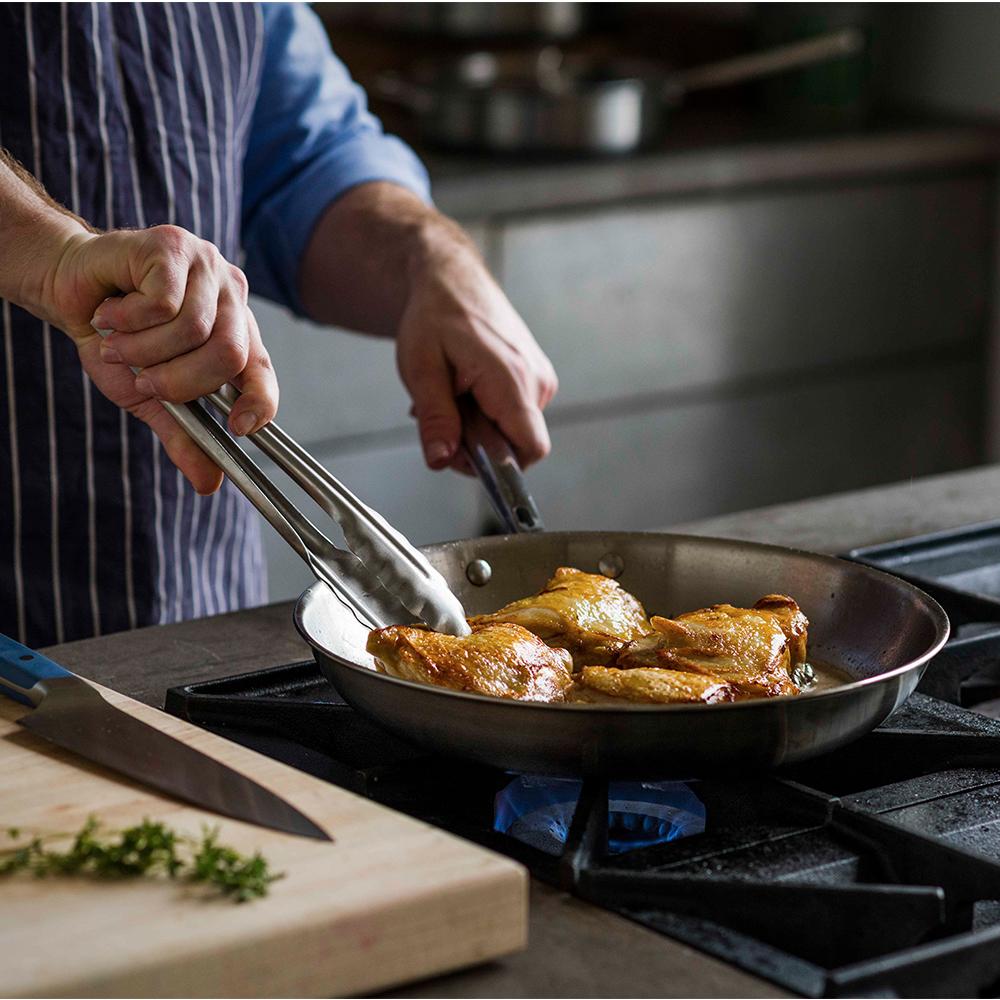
(383, 576)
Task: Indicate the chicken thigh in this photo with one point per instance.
(649, 684)
(587, 614)
(499, 659)
(747, 648)
(793, 623)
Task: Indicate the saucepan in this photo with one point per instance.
(878, 630)
(549, 101)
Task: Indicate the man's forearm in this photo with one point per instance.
(365, 253)
(33, 231)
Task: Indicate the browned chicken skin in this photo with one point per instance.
(499, 659)
(646, 684)
(528, 649)
(793, 623)
(746, 648)
(585, 613)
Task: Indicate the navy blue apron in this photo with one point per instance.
(132, 115)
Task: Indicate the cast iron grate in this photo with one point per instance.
(869, 870)
(872, 871)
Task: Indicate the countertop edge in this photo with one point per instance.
(473, 189)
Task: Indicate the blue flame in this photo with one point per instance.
(538, 811)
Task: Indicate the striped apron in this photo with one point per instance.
(132, 115)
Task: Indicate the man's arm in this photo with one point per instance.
(33, 229)
(177, 307)
(421, 279)
(337, 226)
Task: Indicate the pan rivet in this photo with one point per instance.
(479, 572)
(611, 565)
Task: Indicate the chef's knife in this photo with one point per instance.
(72, 714)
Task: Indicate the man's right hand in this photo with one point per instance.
(178, 311)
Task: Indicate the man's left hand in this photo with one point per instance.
(383, 262)
(458, 333)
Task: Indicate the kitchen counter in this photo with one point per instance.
(705, 152)
(576, 949)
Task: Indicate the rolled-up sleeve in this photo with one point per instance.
(311, 139)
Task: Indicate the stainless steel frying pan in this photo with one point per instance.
(880, 630)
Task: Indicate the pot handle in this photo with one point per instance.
(767, 62)
(396, 89)
(494, 461)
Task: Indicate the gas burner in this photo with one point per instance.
(538, 811)
(874, 870)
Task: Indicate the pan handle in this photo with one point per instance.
(498, 469)
(846, 42)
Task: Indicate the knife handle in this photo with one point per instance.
(22, 670)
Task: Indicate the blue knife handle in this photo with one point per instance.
(22, 668)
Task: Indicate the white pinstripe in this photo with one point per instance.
(213, 594)
(133, 163)
(258, 42)
(239, 543)
(178, 572)
(233, 220)
(236, 514)
(88, 402)
(258, 49)
(241, 41)
(196, 224)
(249, 557)
(230, 516)
(140, 216)
(185, 121)
(240, 555)
(206, 585)
(260, 574)
(161, 574)
(50, 403)
(251, 77)
(161, 128)
(196, 574)
(74, 181)
(217, 239)
(199, 52)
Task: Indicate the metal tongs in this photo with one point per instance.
(381, 579)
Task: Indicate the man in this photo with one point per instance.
(148, 144)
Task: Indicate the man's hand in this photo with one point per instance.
(459, 333)
(177, 308)
(179, 312)
(383, 262)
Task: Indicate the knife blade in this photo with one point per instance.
(74, 715)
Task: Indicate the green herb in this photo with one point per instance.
(150, 849)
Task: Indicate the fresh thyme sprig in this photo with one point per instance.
(150, 849)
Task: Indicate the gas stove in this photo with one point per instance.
(874, 870)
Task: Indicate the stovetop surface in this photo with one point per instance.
(874, 870)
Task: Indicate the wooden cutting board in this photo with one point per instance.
(390, 900)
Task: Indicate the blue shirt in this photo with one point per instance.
(236, 122)
(311, 139)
